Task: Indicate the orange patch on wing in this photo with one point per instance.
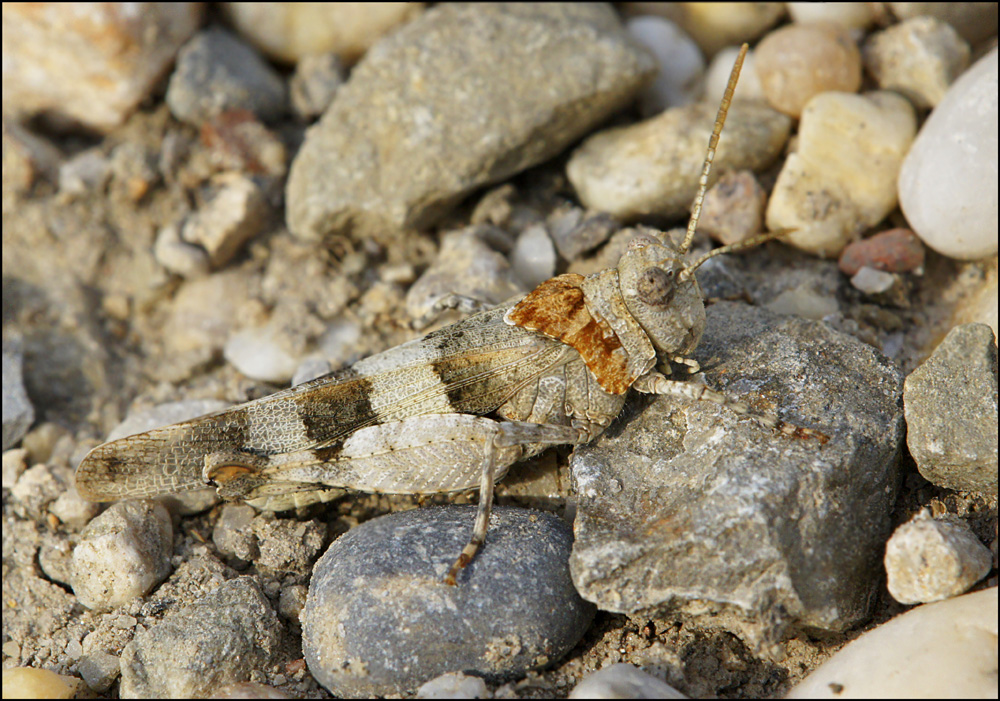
(556, 309)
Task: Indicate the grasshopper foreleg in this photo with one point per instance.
(655, 383)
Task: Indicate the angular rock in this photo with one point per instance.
(693, 504)
(951, 411)
(463, 96)
(379, 619)
(653, 167)
(219, 639)
(18, 413)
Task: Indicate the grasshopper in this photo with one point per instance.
(455, 409)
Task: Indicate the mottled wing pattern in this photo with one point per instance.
(470, 367)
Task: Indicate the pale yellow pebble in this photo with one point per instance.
(31, 683)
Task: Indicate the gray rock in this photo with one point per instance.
(691, 504)
(219, 639)
(17, 410)
(99, 670)
(122, 554)
(951, 411)
(574, 233)
(315, 82)
(463, 96)
(217, 72)
(623, 681)
(379, 620)
(931, 559)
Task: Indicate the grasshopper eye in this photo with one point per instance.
(656, 286)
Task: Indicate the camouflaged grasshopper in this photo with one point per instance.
(452, 410)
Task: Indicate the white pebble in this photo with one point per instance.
(454, 685)
(942, 650)
(623, 681)
(678, 58)
(929, 560)
(533, 259)
(259, 353)
(948, 182)
(872, 281)
(850, 15)
(122, 554)
(717, 77)
(842, 178)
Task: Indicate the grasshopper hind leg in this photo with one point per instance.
(509, 433)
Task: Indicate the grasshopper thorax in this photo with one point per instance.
(661, 296)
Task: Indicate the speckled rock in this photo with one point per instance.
(948, 182)
(653, 167)
(692, 504)
(842, 178)
(217, 72)
(122, 554)
(290, 32)
(623, 681)
(733, 209)
(919, 58)
(400, 145)
(942, 650)
(219, 639)
(951, 411)
(929, 559)
(379, 620)
(93, 65)
(800, 61)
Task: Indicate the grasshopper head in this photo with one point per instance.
(662, 295)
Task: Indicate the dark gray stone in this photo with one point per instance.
(379, 619)
(17, 410)
(951, 411)
(690, 505)
(463, 96)
(217, 72)
(219, 639)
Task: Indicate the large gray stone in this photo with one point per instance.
(693, 507)
(463, 96)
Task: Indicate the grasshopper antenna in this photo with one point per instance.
(738, 246)
(713, 142)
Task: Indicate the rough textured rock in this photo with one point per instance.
(18, 413)
(220, 638)
(402, 142)
(693, 504)
(379, 619)
(951, 411)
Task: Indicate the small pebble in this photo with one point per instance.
(948, 182)
(919, 58)
(799, 61)
(719, 70)
(379, 619)
(805, 301)
(681, 65)
(849, 15)
(894, 251)
(575, 232)
(287, 546)
(179, 257)
(623, 681)
(237, 141)
(85, 172)
(133, 171)
(122, 554)
(234, 215)
(290, 32)
(314, 84)
(221, 638)
(292, 600)
(942, 650)
(454, 685)
(18, 414)
(32, 683)
(99, 670)
(714, 26)
(653, 167)
(951, 411)
(533, 259)
(35, 489)
(872, 281)
(975, 21)
(929, 559)
(216, 72)
(233, 532)
(733, 209)
(842, 178)
(261, 353)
